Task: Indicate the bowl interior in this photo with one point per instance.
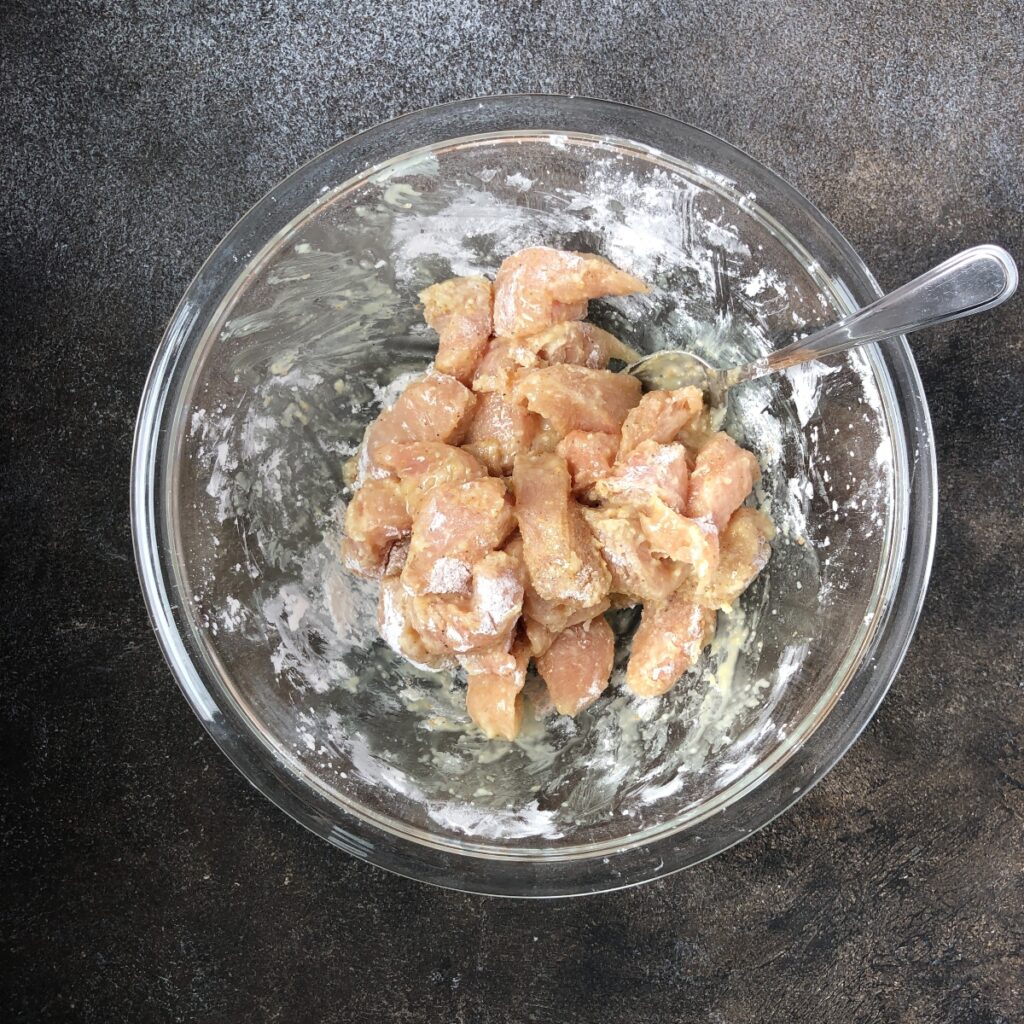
(321, 327)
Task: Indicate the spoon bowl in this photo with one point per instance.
(974, 280)
(674, 368)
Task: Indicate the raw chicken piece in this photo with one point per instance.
(454, 528)
(375, 519)
(636, 571)
(481, 620)
(576, 667)
(745, 550)
(423, 465)
(393, 621)
(696, 433)
(377, 514)
(659, 416)
(538, 287)
(539, 637)
(649, 471)
(499, 431)
(581, 344)
(460, 311)
(560, 553)
(724, 475)
(652, 480)
(694, 542)
(498, 370)
(544, 620)
(578, 398)
(547, 438)
(514, 546)
(668, 641)
(489, 453)
(494, 694)
(557, 616)
(589, 456)
(434, 408)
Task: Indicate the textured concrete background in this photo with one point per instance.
(145, 880)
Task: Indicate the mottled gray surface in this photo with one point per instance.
(145, 879)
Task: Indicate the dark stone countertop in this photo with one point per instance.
(144, 878)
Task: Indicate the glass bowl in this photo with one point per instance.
(304, 321)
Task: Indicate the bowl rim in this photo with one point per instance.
(788, 782)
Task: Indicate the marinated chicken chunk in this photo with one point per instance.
(660, 416)
(361, 559)
(561, 557)
(495, 681)
(507, 359)
(745, 549)
(724, 475)
(575, 342)
(538, 287)
(435, 407)
(693, 542)
(460, 311)
(395, 625)
(543, 620)
(423, 465)
(578, 664)
(637, 573)
(589, 456)
(499, 431)
(498, 370)
(653, 479)
(454, 528)
(615, 498)
(651, 471)
(558, 615)
(668, 642)
(578, 398)
(486, 616)
(375, 519)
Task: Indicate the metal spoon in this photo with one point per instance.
(974, 280)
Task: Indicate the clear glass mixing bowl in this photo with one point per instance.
(304, 320)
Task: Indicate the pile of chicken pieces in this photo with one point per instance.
(519, 489)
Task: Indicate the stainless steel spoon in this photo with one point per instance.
(970, 282)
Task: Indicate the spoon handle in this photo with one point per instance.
(973, 280)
